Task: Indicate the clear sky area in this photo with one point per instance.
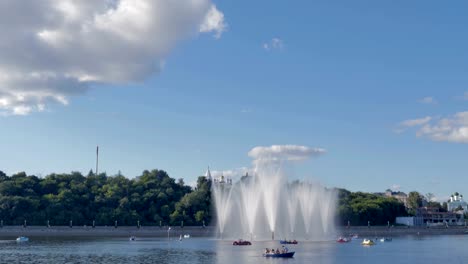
(373, 94)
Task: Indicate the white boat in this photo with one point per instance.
(132, 238)
(22, 239)
(186, 236)
(367, 242)
(385, 239)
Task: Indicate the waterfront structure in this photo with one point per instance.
(456, 202)
(408, 221)
(431, 216)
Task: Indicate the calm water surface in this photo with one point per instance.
(434, 249)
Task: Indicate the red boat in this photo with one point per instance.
(343, 240)
(241, 242)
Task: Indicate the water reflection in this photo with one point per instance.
(198, 250)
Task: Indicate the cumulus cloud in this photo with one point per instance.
(274, 43)
(51, 50)
(272, 155)
(427, 100)
(450, 129)
(284, 153)
(214, 22)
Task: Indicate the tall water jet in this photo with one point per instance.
(264, 205)
(250, 197)
(223, 204)
(293, 206)
(271, 185)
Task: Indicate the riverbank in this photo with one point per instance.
(379, 231)
(208, 231)
(105, 231)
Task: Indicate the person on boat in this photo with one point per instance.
(267, 251)
(277, 251)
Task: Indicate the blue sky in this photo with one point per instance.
(342, 76)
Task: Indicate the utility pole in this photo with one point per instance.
(97, 159)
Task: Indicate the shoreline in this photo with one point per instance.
(104, 231)
(208, 231)
(381, 231)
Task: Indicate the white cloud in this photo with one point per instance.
(284, 153)
(51, 50)
(450, 129)
(415, 122)
(274, 43)
(214, 22)
(428, 100)
(270, 155)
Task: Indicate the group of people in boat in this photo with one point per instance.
(277, 251)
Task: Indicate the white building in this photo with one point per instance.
(456, 201)
(220, 179)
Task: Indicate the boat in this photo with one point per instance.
(280, 255)
(355, 236)
(367, 242)
(294, 242)
(22, 239)
(132, 238)
(343, 240)
(241, 242)
(385, 239)
(186, 236)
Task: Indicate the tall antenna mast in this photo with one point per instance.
(97, 159)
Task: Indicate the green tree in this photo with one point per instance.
(415, 200)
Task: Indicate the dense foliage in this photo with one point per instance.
(152, 198)
(358, 208)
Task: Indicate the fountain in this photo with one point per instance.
(265, 205)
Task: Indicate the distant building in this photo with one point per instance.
(208, 174)
(456, 202)
(430, 216)
(400, 196)
(221, 179)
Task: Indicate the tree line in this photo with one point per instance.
(154, 198)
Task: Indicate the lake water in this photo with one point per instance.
(430, 249)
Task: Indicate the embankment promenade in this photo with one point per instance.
(208, 231)
(378, 231)
(105, 231)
